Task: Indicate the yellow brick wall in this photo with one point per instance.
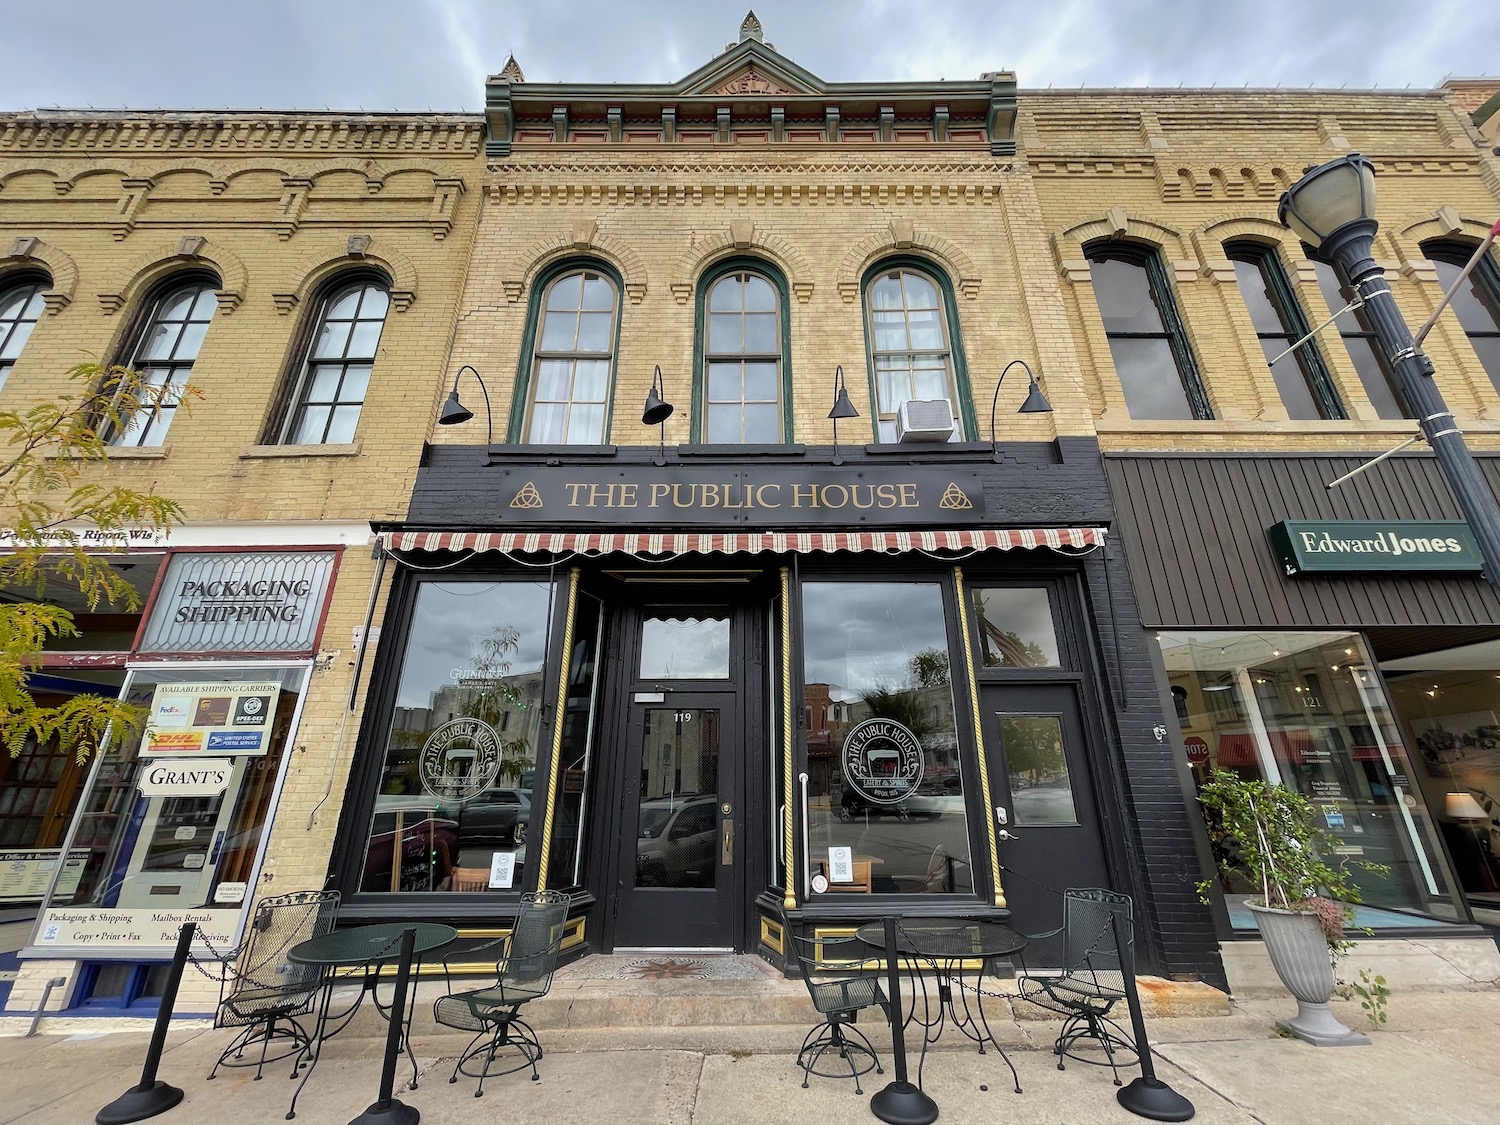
(1185, 171)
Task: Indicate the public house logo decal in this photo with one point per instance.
(1345, 545)
(882, 761)
(460, 759)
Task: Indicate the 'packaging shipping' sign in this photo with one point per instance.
(201, 719)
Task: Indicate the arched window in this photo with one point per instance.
(1146, 336)
(1301, 379)
(164, 356)
(912, 353)
(572, 361)
(20, 308)
(1369, 361)
(336, 372)
(1477, 302)
(742, 361)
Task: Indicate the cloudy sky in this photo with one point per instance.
(434, 54)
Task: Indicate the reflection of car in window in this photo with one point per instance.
(494, 816)
(853, 803)
(677, 838)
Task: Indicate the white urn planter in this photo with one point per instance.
(1299, 953)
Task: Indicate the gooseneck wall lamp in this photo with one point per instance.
(1036, 402)
(842, 408)
(1332, 209)
(455, 412)
(657, 411)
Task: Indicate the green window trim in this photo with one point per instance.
(939, 277)
(1174, 328)
(706, 282)
(521, 400)
(1309, 356)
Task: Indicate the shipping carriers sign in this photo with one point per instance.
(195, 720)
(1334, 546)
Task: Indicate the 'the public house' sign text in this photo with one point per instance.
(769, 495)
(1325, 546)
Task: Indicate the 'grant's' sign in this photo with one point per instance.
(719, 496)
(1324, 546)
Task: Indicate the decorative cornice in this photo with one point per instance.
(131, 131)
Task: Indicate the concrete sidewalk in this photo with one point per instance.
(1437, 1061)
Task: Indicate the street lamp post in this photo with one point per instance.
(1331, 208)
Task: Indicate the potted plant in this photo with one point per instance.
(1268, 834)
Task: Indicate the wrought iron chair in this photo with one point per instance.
(523, 973)
(839, 1001)
(262, 991)
(1098, 966)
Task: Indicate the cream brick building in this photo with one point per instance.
(100, 214)
(663, 642)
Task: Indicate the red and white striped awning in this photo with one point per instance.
(730, 543)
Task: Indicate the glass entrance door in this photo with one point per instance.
(680, 875)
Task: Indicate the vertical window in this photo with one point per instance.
(164, 357)
(20, 308)
(1476, 304)
(1301, 380)
(1369, 361)
(742, 361)
(1146, 337)
(570, 373)
(336, 373)
(908, 333)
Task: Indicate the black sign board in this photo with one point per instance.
(758, 496)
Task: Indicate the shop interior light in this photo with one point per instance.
(1036, 402)
(1463, 806)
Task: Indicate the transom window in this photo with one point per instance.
(570, 375)
(1146, 337)
(742, 362)
(909, 342)
(1301, 380)
(165, 356)
(20, 309)
(336, 375)
(1477, 302)
(1374, 372)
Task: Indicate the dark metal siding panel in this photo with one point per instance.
(1195, 532)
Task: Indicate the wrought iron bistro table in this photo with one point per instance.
(947, 945)
(364, 950)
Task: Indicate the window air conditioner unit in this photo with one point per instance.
(924, 420)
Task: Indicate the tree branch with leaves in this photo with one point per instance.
(58, 526)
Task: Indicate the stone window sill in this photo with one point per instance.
(352, 449)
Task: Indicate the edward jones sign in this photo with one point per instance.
(1331, 546)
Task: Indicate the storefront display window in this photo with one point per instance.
(576, 759)
(1308, 711)
(1451, 716)
(454, 806)
(171, 822)
(886, 812)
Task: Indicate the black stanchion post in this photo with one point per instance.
(1148, 1096)
(150, 1097)
(389, 1110)
(900, 1103)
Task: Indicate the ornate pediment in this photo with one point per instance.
(753, 80)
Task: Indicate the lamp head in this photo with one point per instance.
(842, 407)
(1036, 402)
(1332, 209)
(454, 411)
(657, 409)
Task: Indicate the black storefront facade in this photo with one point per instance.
(705, 690)
(1340, 641)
